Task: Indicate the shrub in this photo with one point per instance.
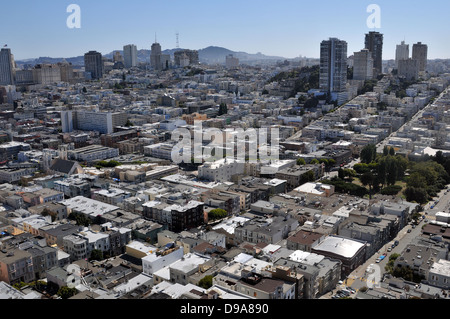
(391, 190)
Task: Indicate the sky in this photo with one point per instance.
(286, 28)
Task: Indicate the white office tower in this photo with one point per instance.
(130, 55)
(401, 53)
(333, 68)
(363, 65)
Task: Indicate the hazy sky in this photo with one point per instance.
(287, 28)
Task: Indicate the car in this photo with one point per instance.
(396, 243)
(409, 230)
(346, 292)
(389, 249)
(353, 291)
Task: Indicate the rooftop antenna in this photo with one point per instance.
(178, 40)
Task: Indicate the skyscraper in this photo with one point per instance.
(6, 67)
(402, 52)
(155, 57)
(93, 63)
(374, 43)
(363, 65)
(333, 65)
(409, 69)
(420, 53)
(130, 55)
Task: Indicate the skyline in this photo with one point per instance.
(288, 28)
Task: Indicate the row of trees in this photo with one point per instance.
(426, 179)
(380, 173)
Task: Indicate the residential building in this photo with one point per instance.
(374, 43)
(102, 122)
(16, 266)
(408, 69)
(185, 58)
(93, 63)
(351, 253)
(156, 57)
(93, 153)
(46, 74)
(420, 54)
(189, 264)
(261, 231)
(231, 62)
(157, 259)
(130, 55)
(401, 53)
(363, 65)
(333, 67)
(439, 274)
(304, 240)
(266, 288)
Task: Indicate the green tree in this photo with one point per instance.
(223, 109)
(301, 162)
(96, 254)
(392, 151)
(66, 292)
(367, 179)
(368, 154)
(217, 213)
(206, 282)
(315, 161)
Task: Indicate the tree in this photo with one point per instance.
(315, 161)
(206, 282)
(223, 109)
(392, 151)
(368, 154)
(301, 162)
(341, 174)
(66, 292)
(96, 254)
(217, 213)
(367, 179)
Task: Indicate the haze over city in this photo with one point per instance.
(287, 28)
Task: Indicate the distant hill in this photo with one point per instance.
(209, 55)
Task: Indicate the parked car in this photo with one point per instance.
(353, 291)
